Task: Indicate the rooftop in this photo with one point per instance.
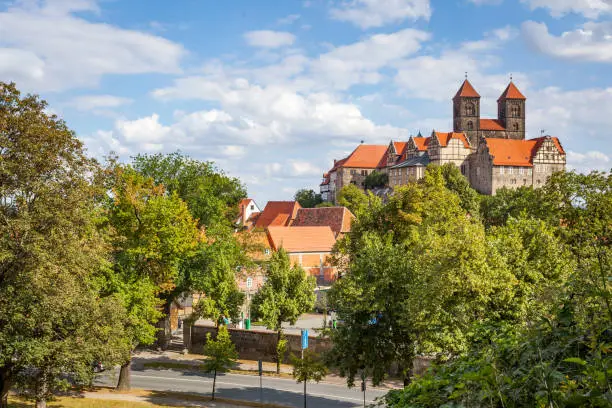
(302, 239)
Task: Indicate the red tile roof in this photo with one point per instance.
(277, 213)
(421, 142)
(339, 219)
(302, 239)
(512, 92)
(399, 147)
(365, 156)
(467, 90)
(444, 138)
(509, 152)
(491, 124)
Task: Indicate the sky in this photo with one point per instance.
(273, 90)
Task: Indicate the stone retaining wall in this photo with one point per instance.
(254, 344)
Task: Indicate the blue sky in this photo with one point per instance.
(274, 90)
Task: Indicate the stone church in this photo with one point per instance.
(491, 153)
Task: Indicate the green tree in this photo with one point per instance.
(153, 232)
(308, 198)
(287, 293)
(324, 204)
(308, 368)
(221, 354)
(459, 184)
(376, 179)
(53, 317)
(211, 195)
(356, 200)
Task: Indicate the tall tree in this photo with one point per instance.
(308, 198)
(220, 354)
(356, 200)
(52, 258)
(287, 293)
(153, 232)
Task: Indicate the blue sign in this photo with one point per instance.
(305, 339)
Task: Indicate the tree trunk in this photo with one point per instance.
(42, 389)
(124, 383)
(5, 386)
(214, 384)
(278, 355)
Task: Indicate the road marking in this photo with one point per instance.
(134, 375)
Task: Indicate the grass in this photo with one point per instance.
(67, 402)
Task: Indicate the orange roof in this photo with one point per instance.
(302, 239)
(491, 124)
(339, 219)
(399, 147)
(277, 213)
(365, 156)
(444, 138)
(467, 91)
(511, 92)
(510, 152)
(421, 142)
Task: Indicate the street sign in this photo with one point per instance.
(304, 339)
(260, 367)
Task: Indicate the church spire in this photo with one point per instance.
(467, 91)
(511, 92)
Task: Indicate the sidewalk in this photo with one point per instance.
(173, 360)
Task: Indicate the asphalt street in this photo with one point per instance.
(246, 387)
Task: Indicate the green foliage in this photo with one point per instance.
(54, 318)
(221, 354)
(152, 233)
(459, 184)
(324, 204)
(309, 368)
(376, 179)
(553, 349)
(356, 200)
(308, 198)
(287, 293)
(212, 196)
(420, 278)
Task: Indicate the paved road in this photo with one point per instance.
(246, 387)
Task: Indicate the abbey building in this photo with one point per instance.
(491, 152)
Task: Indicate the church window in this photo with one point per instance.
(470, 110)
(470, 125)
(516, 126)
(516, 111)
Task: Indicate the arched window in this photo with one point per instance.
(516, 126)
(470, 125)
(470, 109)
(516, 111)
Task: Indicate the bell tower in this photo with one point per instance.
(466, 112)
(511, 112)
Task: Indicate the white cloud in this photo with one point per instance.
(269, 39)
(63, 51)
(93, 102)
(290, 19)
(377, 13)
(593, 42)
(589, 161)
(302, 168)
(558, 8)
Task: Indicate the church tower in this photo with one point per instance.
(466, 112)
(511, 112)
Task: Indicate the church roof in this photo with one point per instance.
(491, 124)
(467, 91)
(512, 92)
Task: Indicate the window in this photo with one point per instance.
(501, 169)
(252, 207)
(515, 111)
(521, 170)
(529, 172)
(267, 251)
(353, 172)
(509, 169)
(516, 126)
(513, 181)
(249, 282)
(478, 171)
(470, 109)
(470, 125)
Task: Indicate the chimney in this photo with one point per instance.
(334, 162)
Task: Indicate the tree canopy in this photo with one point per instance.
(376, 179)
(308, 198)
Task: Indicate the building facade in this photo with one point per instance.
(491, 152)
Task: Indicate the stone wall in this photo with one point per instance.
(254, 344)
